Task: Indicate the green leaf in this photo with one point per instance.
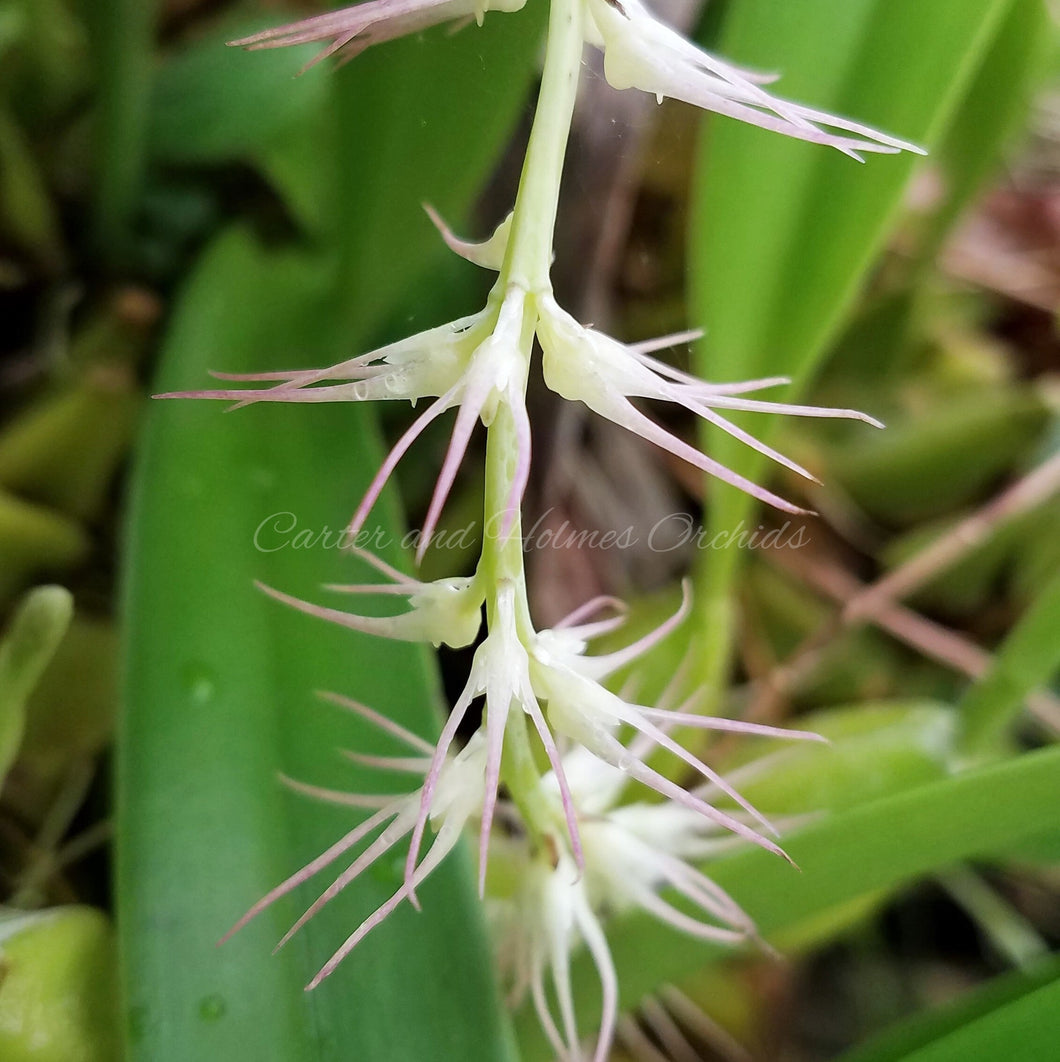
(33, 539)
(876, 846)
(262, 99)
(922, 467)
(28, 645)
(218, 698)
(997, 100)
(122, 34)
(785, 232)
(424, 120)
(1028, 658)
(58, 998)
(1015, 1017)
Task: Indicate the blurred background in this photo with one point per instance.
(169, 206)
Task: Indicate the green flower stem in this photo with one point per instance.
(529, 254)
(526, 266)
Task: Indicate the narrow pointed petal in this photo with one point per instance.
(380, 846)
(735, 726)
(375, 488)
(466, 419)
(583, 612)
(443, 845)
(400, 764)
(602, 666)
(496, 720)
(445, 741)
(316, 865)
(556, 762)
(489, 254)
(382, 721)
(596, 942)
(399, 628)
(336, 796)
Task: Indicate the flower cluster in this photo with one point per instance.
(576, 844)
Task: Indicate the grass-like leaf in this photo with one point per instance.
(784, 233)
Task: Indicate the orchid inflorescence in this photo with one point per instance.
(581, 845)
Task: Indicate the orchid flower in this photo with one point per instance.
(351, 30)
(456, 796)
(583, 365)
(632, 853)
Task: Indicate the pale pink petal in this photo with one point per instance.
(596, 942)
(470, 407)
(583, 612)
(488, 254)
(382, 844)
(602, 666)
(649, 346)
(497, 709)
(337, 796)
(586, 632)
(633, 717)
(398, 628)
(615, 753)
(665, 912)
(357, 27)
(443, 845)
(624, 413)
(381, 565)
(747, 438)
(382, 721)
(316, 865)
(400, 764)
(375, 488)
(736, 726)
(570, 813)
(446, 739)
(786, 409)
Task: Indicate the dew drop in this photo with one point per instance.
(212, 1008)
(263, 478)
(137, 1023)
(199, 683)
(388, 871)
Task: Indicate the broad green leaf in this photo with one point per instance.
(1028, 658)
(218, 699)
(785, 232)
(879, 845)
(1016, 1018)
